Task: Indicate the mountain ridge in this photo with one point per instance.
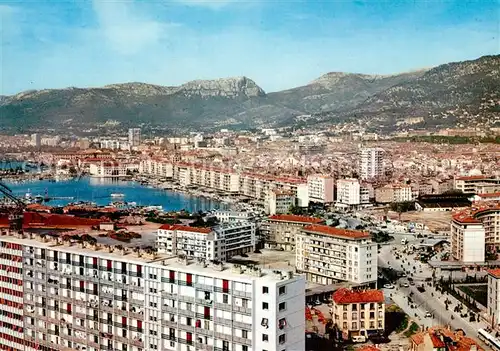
(241, 101)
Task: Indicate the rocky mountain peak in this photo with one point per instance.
(224, 87)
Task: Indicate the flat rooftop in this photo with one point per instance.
(224, 270)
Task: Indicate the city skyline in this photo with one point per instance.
(280, 45)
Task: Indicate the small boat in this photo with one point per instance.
(117, 195)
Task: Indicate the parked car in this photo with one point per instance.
(388, 286)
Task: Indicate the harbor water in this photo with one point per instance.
(100, 191)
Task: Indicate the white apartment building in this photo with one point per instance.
(467, 239)
(279, 201)
(226, 180)
(321, 188)
(212, 244)
(494, 296)
(348, 192)
(393, 194)
(281, 230)
(156, 167)
(134, 137)
(371, 164)
(328, 255)
(107, 169)
(257, 185)
(474, 184)
(69, 296)
(233, 216)
(36, 140)
(482, 218)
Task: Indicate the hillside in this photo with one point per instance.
(462, 92)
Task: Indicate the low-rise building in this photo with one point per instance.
(474, 184)
(282, 229)
(211, 244)
(328, 255)
(359, 313)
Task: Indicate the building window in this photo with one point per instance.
(265, 306)
(265, 290)
(244, 334)
(225, 298)
(282, 306)
(282, 338)
(282, 290)
(265, 337)
(354, 325)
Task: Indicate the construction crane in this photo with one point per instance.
(14, 210)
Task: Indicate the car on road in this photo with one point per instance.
(405, 285)
(317, 303)
(421, 289)
(428, 314)
(412, 282)
(388, 286)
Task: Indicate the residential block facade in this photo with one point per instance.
(64, 296)
(219, 243)
(328, 255)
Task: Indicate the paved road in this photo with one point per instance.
(428, 301)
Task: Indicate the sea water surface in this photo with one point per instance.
(99, 190)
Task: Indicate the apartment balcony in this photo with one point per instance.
(169, 309)
(136, 288)
(207, 332)
(79, 327)
(106, 308)
(93, 331)
(169, 323)
(138, 343)
(223, 306)
(188, 328)
(223, 321)
(137, 302)
(94, 345)
(242, 310)
(243, 294)
(243, 341)
(183, 312)
(29, 337)
(80, 315)
(137, 315)
(204, 302)
(204, 287)
(242, 325)
(121, 312)
(185, 299)
(106, 295)
(200, 346)
(121, 339)
(167, 295)
(223, 336)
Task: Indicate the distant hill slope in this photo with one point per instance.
(379, 100)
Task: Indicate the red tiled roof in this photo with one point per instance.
(45, 220)
(186, 228)
(368, 348)
(345, 296)
(436, 341)
(295, 218)
(494, 272)
(345, 233)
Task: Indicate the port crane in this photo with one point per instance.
(15, 210)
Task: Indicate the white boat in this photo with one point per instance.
(117, 195)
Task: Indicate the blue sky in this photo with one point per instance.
(279, 44)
